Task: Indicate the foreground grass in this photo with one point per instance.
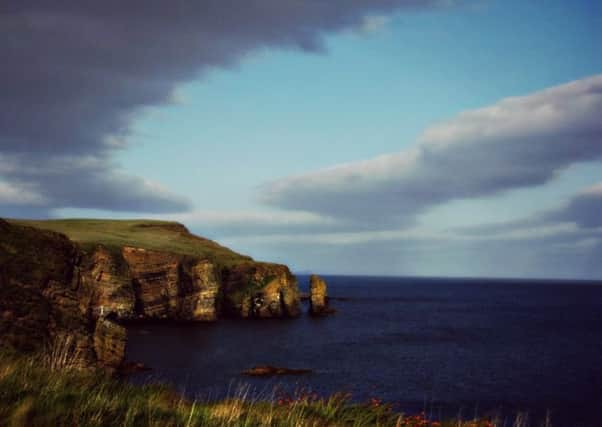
(32, 394)
(148, 234)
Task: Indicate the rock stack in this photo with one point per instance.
(318, 297)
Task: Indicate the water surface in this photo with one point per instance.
(443, 345)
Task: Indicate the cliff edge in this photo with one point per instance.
(82, 279)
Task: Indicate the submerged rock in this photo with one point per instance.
(269, 371)
(318, 297)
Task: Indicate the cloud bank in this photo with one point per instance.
(563, 242)
(584, 209)
(518, 142)
(74, 75)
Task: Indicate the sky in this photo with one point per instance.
(384, 137)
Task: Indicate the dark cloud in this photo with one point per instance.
(518, 142)
(40, 183)
(75, 73)
(585, 209)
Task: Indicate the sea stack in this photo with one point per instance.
(318, 297)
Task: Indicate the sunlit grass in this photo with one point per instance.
(148, 234)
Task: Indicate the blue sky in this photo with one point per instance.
(240, 144)
(281, 113)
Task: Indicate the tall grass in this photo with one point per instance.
(62, 354)
(51, 391)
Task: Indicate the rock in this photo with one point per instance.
(109, 343)
(269, 371)
(318, 297)
(260, 290)
(172, 286)
(155, 279)
(108, 277)
(201, 300)
(41, 289)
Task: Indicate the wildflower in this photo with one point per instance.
(375, 402)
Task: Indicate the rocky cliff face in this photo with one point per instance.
(51, 287)
(172, 286)
(260, 290)
(109, 340)
(109, 281)
(137, 283)
(41, 292)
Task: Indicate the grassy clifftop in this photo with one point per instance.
(147, 234)
(152, 268)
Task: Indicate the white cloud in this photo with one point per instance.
(245, 223)
(519, 142)
(15, 194)
(373, 23)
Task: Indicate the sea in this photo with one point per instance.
(450, 347)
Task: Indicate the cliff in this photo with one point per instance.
(40, 292)
(82, 278)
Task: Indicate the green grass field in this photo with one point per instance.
(147, 234)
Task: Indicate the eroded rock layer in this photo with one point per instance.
(41, 293)
(172, 286)
(109, 343)
(51, 288)
(108, 277)
(260, 290)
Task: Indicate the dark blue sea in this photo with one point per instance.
(445, 346)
